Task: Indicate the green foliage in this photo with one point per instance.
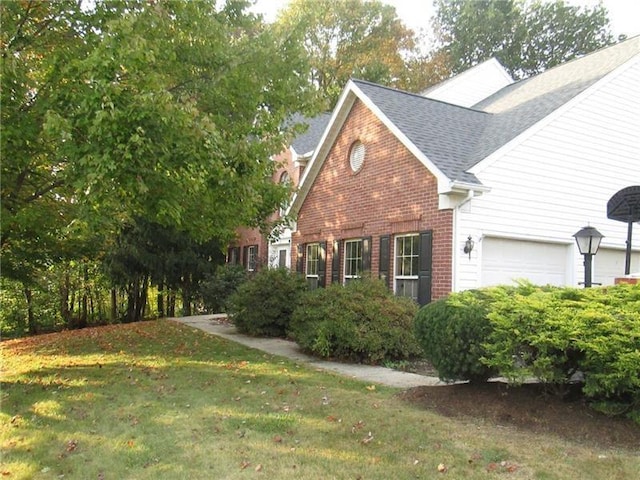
(452, 332)
(263, 305)
(362, 321)
(218, 288)
(355, 38)
(527, 37)
(551, 334)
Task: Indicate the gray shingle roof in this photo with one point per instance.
(308, 141)
(445, 133)
(456, 138)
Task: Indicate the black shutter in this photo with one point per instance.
(300, 259)
(335, 262)
(366, 254)
(255, 259)
(424, 273)
(322, 262)
(385, 259)
(245, 256)
(230, 259)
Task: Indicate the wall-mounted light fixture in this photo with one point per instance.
(468, 246)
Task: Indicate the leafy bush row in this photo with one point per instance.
(361, 321)
(557, 335)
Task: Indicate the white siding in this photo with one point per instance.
(558, 177)
(609, 264)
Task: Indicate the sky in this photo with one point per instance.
(624, 15)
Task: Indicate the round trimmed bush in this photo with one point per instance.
(362, 322)
(452, 332)
(262, 306)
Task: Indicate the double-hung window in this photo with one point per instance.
(352, 260)
(252, 257)
(407, 260)
(312, 263)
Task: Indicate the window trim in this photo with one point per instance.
(346, 277)
(312, 259)
(252, 258)
(357, 154)
(414, 254)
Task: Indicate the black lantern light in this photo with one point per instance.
(588, 240)
(468, 246)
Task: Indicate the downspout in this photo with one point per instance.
(456, 254)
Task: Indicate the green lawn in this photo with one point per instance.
(158, 400)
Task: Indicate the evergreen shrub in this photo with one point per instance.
(217, 288)
(262, 306)
(362, 321)
(452, 332)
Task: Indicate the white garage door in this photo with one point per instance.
(505, 260)
(609, 264)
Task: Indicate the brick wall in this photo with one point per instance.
(393, 193)
(252, 236)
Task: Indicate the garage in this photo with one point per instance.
(506, 260)
(609, 263)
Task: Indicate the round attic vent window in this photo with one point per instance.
(356, 158)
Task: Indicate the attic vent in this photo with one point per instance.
(357, 156)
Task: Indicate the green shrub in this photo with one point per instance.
(551, 334)
(452, 332)
(362, 321)
(533, 335)
(263, 305)
(610, 340)
(216, 290)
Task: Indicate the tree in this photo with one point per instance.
(161, 110)
(527, 37)
(112, 111)
(351, 38)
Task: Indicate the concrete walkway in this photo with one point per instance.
(288, 349)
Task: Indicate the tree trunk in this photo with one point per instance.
(161, 299)
(114, 305)
(64, 299)
(84, 307)
(31, 321)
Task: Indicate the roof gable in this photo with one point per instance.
(450, 139)
(472, 85)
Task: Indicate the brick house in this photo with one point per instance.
(252, 248)
(478, 181)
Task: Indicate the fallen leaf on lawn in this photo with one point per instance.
(130, 443)
(371, 387)
(259, 468)
(72, 445)
(357, 426)
(367, 439)
(277, 439)
(244, 464)
(442, 468)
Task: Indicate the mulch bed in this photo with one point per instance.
(528, 407)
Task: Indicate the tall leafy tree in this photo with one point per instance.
(351, 38)
(527, 37)
(166, 110)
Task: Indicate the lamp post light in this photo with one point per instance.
(588, 240)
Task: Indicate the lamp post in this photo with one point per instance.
(588, 240)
